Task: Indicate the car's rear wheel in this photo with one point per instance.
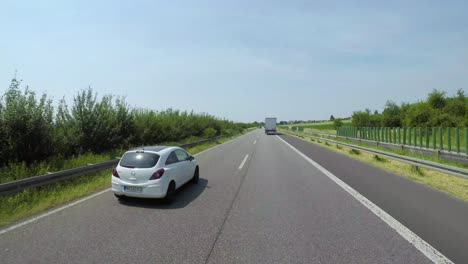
(120, 197)
(196, 175)
(170, 194)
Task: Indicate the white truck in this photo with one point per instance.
(270, 125)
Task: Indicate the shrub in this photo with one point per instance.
(209, 132)
(31, 130)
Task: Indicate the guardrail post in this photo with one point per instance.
(449, 139)
(457, 138)
(441, 143)
(427, 137)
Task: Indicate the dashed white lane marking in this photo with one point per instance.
(34, 219)
(243, 162)
(255, 142)
(425, 248)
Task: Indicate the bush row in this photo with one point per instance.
(32, 129)
(437, 110)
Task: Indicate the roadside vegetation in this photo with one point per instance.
(37, 200)
(437, 110)
(455, 186)
(36, 137)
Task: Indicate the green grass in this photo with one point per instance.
(319, 127)
(18, 171)
(403, 152)
(455, 186)
(34, 201)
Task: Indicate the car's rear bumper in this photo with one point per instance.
(149, 190)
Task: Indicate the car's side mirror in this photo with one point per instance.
(190, 158)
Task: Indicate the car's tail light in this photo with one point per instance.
(157, 174)
(115, 173)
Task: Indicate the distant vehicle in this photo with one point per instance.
(270, 125)
(153, 172)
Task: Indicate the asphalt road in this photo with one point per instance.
(258, 201)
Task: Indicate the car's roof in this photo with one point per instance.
(152, 148)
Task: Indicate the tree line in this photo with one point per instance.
(32, 129)
(437, 110)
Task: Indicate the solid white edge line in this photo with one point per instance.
(243, 162)
(8, 229)
(52, 212)
(424, 247)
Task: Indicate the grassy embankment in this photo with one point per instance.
(399, 152)
(34, 201)
(320, 127)
(455, 186)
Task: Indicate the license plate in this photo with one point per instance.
(133, 189)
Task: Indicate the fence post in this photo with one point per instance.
(457, 138)
(466, 140)
(434, 138)
(399, 136)
(449, 139)
(441, 143)
(394, 135)
(427, 137)
(409, 135)
(404, 135)
(415, 137)
(420, 137)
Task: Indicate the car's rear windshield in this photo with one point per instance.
(139, 160)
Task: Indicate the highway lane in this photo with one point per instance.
(102, 230)
(258, 201)
(439, 219)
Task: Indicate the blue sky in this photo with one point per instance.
(242, 60)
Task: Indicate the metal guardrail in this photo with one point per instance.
(451, 170)
(41, 180)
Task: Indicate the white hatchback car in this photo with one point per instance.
(153, 172)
